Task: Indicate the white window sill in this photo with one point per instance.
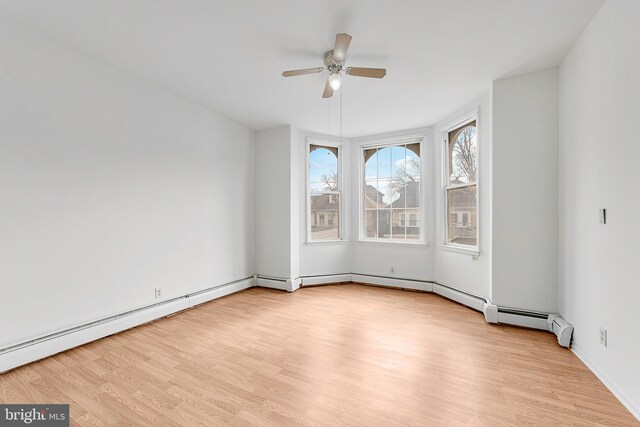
(418, 244)
(326, 242)
(460, 250)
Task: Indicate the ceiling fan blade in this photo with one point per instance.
(375, 73)
(292, 73)
(340, 48)
(328, 90)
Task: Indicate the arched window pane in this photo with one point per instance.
(462, 155)
(324, 197)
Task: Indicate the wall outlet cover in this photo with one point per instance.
(603, 337)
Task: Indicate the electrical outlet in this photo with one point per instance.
(393, 270)
(603, 336)
(603, 216)
(158, 293)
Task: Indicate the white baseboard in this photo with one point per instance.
(280, 283)
(272, 283)
(220, 291)
(490, 312)
(327, 278)
(463, 298)
(390, 281)
(294, 284)
(633, 407)
(18, 355)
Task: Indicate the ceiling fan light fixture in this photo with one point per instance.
(334, 63)
(335, 80)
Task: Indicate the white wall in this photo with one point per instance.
(525, 191)
(110, 188)
(297, 150)
(461, 270)
(599, 158)
(274, 203)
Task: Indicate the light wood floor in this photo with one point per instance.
(347, 355)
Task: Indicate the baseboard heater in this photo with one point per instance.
(325, 279)
(282, 283)
(470, 300)
(465, 298)
(553, 323)
(562, 329)
(38, 348)
(492, 313)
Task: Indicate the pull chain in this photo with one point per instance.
(329, 120)
(341, 90)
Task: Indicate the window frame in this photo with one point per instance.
(460, 122)
(341, 202)
(422, 218)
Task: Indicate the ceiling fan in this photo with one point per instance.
(334, 62)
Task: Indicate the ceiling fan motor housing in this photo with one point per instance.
(330, 63)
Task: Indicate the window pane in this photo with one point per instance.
(325, 217)
(413, 220)
(384, 224)
(413, 161)
(389, 191)
(370, 223)
(372, 197)
(323, 168)
(324, 208)
(462, 216)
(371, 163)
(462, 154)
(384, 163)
(406, 209)
(399, 223)
(407, 195)
(398, 162)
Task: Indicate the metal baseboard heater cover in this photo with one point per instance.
(551, 322)
(282, 283)
(562, 329)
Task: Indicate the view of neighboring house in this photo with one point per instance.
(463, 216)
(325, 217)
(405, 212)
(372, 203)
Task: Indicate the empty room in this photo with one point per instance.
(319, 213)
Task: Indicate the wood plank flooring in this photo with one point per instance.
(329, 355)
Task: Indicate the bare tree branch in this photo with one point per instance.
(409, 173)
(330, 181)
(464, 155)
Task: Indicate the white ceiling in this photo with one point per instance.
(228, 55)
